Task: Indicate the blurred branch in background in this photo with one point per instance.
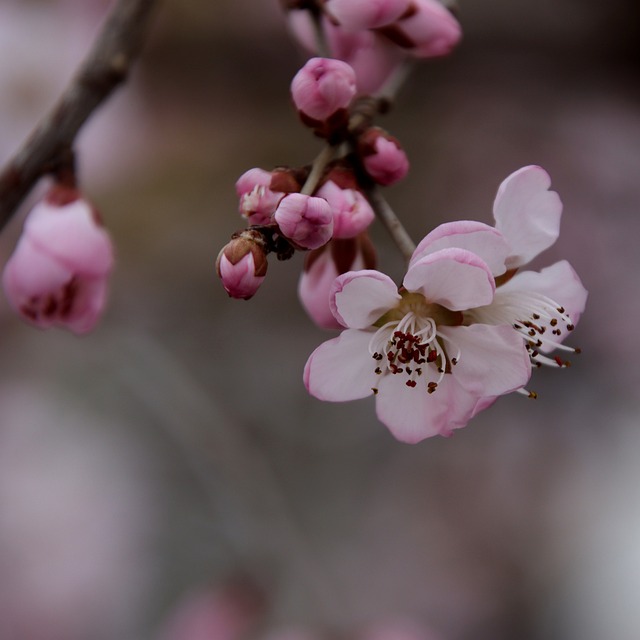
(106, 67)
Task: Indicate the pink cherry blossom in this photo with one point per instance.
(542, 307)
(366, 14)
(352, 213)
(258, 201)
(305, 220)
(383, 157)
(411, 349)
(323, 266)
(58, 273)
(242, 266)
(323, 87)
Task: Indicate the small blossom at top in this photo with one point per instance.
(323, 87)
(58, 273)
(307, 221)
(366, 14)
(409, 347)
(382, 156)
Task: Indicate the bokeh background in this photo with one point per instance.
(175, 449)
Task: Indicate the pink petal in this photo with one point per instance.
(454, 278)
(477, 237)
(341, 369)
(527, 214)
(412, 415)
(359, 298)
(493, 359)
(558, 282)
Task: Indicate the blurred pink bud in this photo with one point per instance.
(366, 14)
(59, 270)
(352, 213)
(257, 201)
(323, 266)
(323, 87)
(383, 157)
(242, 265)
(215, 614)
(305, 220)
(427, 32)
(401, 629)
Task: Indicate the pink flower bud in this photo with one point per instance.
(352, 213)
(257, 201)
(323, 87)
(305, 220)
(366, 14)
(59, 270)
(323, 266)
(242, 265)
(383, 157)
(427, 32)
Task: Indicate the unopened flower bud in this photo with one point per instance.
(242, 265)
(429, 31)
(352, 213)
(58, 273)
(383, 157)
(366, 14)
(305, 220)
(322, 88)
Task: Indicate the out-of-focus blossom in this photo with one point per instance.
(322, 88)
(225, 613)
(366, 14)
(307, 221)
(382, 156)
(58, 273)
(429, 30)
(352, 213)
(242, 266)
(427, 370)
(401, 629)
(323, 266)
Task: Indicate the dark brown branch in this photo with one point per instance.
(106, 66)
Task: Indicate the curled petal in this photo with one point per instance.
(359, 298)
(341, 369)
(494, 359)
(455, 278)
(527, 214)
(479, 238)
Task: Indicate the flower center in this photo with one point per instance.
(407, 342)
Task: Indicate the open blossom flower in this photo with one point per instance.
(409, 347)
(58, 274)
(543, 307)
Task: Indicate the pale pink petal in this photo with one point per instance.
(342, 369)
(477, 237)
(559, 282)
(359, 298)
(88, 305)
(455, 278)
(527, 214)
(493, 358)
(314, 288)
(412, 414)
(71, 235)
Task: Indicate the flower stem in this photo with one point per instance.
(391, 222)
(317, 169)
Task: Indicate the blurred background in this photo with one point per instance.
(169, 475)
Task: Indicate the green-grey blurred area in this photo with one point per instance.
(176, 446)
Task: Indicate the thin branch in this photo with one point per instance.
(106, 67)
(317, 169)
(393, 225)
